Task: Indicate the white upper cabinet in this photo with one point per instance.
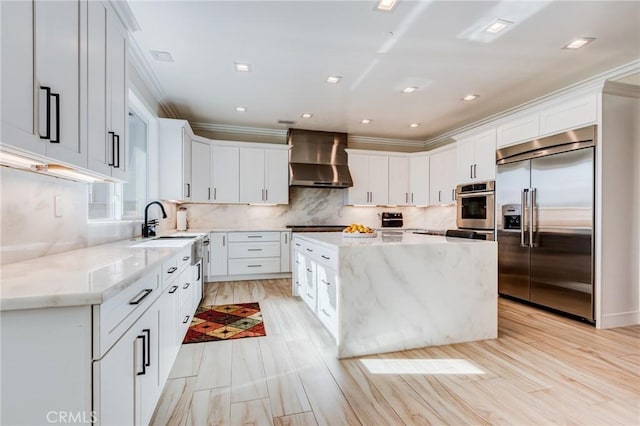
(370, 174)
(174, 140)
(107, 92)
(399, 181)
(418, 180)
(569, 114)
(200, 172)
(442, 177)
(476, 157)
(225, 174)
(42, 75)
(264, 176)
(518, 130)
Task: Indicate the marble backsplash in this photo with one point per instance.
(307, 206)
(29, 228)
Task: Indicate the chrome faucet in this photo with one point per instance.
(149, 228)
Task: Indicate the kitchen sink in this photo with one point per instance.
(173, 237)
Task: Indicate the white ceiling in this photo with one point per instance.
(293, 46)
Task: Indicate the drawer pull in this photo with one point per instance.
(309, 295)
(309, 250)
(326, 257)
(186, 286)
(144, 356)
(324, 282)
(173, 289)
(297, 262)
(325, 312)
(298, 244)
(254, 249)
(172, 270)
(141, 296)
(186, 258)
(254, 266)
(309, 270)
(254, 236)
(186, 319)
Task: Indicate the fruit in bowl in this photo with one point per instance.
(358, 228)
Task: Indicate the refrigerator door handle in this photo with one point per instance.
(523, 221)
(532, 203)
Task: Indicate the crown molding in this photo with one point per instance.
(621, 89)
(369, 140)
(591, 83)
(125, 14)
(240, 130)
(147, 74)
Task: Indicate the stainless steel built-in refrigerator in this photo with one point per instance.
(544, 209)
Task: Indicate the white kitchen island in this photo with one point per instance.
(397, 292)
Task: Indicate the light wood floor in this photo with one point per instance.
(542, 370)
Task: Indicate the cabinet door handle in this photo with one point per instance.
(147, 361)
(57, 139)
(471, 171)
(453, 195)
(199, 271)
(309, 270)
(140, 296)
(47, 92)
(324, 282)
(186, 286)
(144, 355)
(186, 319)
(262, 194)
(475, 170)
(326, 257)
(310, 250)
(266, 194)
(172, 270)
(215, 193)
(173, 289)
(286, 238)
(224, 242)
(406, 197)
(209, 193)
(439, 195)
(112, 162)
(117, 155)
(412, 198)
(254, 266)
(186, 258)
(325, 312)
(254, 249)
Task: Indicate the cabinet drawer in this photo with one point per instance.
(254, 250)
(185, 285)
(241, 237)
(184, 257)
(185, 316)
(327, 257)
(169, 270)
(112, 318)
(266, 265)
(310, 249)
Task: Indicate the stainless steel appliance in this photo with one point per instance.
(392, 220)
(318, 159)
(545, 198)
(475, 206)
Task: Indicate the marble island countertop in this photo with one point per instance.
(85, 276)
(337, 239)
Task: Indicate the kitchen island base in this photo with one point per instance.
(393, 295)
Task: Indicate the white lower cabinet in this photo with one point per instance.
(315, 280)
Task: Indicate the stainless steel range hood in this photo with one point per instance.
(318, 159)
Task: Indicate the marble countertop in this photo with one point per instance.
(80, 277)
(333, 240)
(207, 230)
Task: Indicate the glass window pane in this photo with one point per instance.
(100, 201)
(134, 192)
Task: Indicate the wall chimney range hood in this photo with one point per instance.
(318, 159)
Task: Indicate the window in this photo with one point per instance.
(117, 201)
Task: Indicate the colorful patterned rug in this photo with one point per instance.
(225, 322)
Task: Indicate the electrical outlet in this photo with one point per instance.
(57, 206)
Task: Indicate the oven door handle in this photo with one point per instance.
(474, 194)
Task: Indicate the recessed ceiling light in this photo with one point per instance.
(161, 56)
(470, 97)
(409, 89)
(242, 67)
(334, 79)
(386, 5)
(366, 121)
(306, 115)
(579, 42)
(241, 109)
(497, 26)
(414, 125)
